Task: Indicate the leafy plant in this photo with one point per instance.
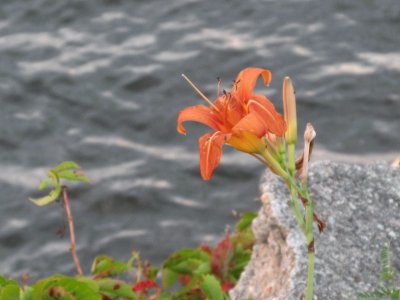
(202, 273)
(67, 170)
(387, 284)
(71, 171)
(207, 271)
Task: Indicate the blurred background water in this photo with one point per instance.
(98, 82)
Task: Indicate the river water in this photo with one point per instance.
(98, 82)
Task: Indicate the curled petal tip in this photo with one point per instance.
(309, 133)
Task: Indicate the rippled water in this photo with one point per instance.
(98, 82)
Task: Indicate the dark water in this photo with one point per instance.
(98, 82)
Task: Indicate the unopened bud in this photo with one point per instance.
(289, 108)
(309, 136)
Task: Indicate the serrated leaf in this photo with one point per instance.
(164, 296)
(73, 175)
(245, 221)
(240, 261)
(106, 264)
(27, 293)
(387, 271)
(55, 181)
(43, 184)
(186, 259)
(9, 291)
(212, 288)
(151, 273)
(116, 288)
(58, 293)
(68, 286)
(66, 165)
(51, 197)
(3, 280)
(169, 278)
(189, 262)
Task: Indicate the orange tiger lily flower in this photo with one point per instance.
(239, 118)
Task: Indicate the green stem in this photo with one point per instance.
(273, 164)
(307, 228)
(309, 217)
(310, 243)
(310, 275)
(295, 206)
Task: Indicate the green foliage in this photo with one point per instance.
(211, 287)
(245, 221)
(387, 286)
(65, 288)
(114, 288)
(107, 266)
(209, 273)
(202, 273)
(387, 271)
(67, 170)
(189, 262)
(9, 289)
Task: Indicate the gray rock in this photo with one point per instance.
(361, 207)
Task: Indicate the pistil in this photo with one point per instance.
(199, 92)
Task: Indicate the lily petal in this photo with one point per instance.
(246, 141)
(246, 81)
(210, 149)
(198, 113)
(267, 115)
(251, 123)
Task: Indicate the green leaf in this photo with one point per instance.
(169, 278)
(108, 266)
(66, 165)
(51, 197)
(152, 273)
(9, 291)
(59, 293)
(43, 184)
(27, 293)
(387, 271)
(240, 260)
(245, 221)
(116, 288)
(73, 175)
(189, 261)
(70, 170)
(69, 287)
(81, 290)
(164, 296)
(3, 281)
(212, 288)
(55, 181)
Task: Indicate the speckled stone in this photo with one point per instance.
(361, 206)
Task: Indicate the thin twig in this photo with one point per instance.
(71, 231)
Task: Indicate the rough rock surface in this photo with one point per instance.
(361, 207)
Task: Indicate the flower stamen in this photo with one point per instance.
(199, 92)
(218, 86)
